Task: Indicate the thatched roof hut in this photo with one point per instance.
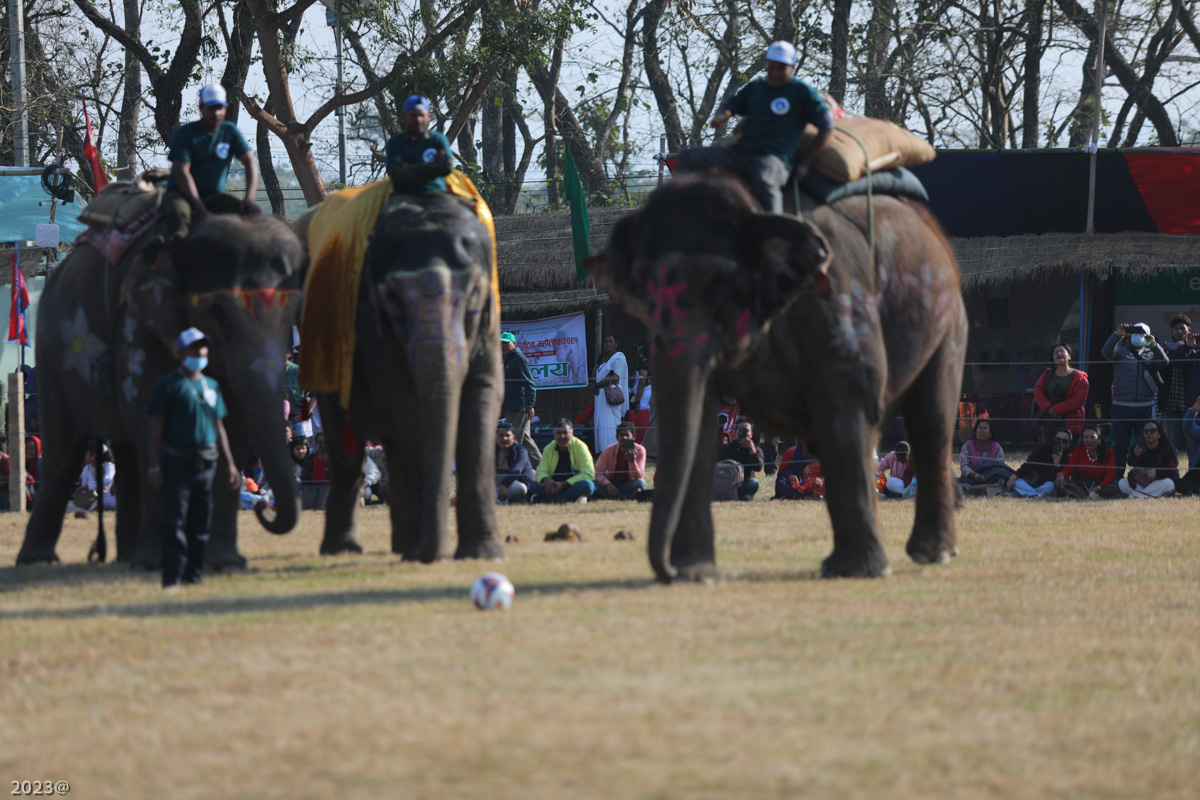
(991, 260)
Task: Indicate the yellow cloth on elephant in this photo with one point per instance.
(337, 245)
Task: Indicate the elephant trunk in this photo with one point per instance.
(440, 393)
(278, 468)
(686, 394)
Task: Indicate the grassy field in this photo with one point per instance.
(1058, 656)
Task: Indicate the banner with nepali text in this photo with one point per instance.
(556, 348)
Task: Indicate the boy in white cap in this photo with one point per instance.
(418, 159)
(775, 108)
(186, 438)
(200, 153)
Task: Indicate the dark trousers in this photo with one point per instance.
(1189, 484)
(186, 514)
(765, 173)
(538, 494)
(178, 211)
(747, 489)
(1126, 426)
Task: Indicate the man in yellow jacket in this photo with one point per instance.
(566, 472)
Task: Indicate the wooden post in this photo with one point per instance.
(16, 441)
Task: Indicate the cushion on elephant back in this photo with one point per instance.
(857, 142)
(897, 182)
(121, 203)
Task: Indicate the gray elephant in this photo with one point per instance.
(105, 334)
(427, 383)
(814, 334)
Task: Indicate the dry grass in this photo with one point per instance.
(1057, 657)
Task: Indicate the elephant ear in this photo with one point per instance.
(793, 256)
(153, 294)
(618, 272)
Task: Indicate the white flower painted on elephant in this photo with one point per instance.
(83, 347)
(270, 364)
(134, 360)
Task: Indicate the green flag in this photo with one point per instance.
(580, 226)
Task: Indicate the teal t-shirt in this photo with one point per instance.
(775, 118)
(406, 149)
(207, 153)
(191, 409)
(291, 380)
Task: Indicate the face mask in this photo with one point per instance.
(195, 363)
(1137, 340)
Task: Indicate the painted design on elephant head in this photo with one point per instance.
(665, 313)
(83, 348)
(134, 367)
(434, 310)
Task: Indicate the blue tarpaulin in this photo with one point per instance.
(20, 213)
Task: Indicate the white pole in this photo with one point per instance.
(16, 49)
(662, 157)
(341, 111)
(1102, 13)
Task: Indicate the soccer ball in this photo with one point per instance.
(492, 590)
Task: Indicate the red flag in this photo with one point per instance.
(91, 153)
(20, 302)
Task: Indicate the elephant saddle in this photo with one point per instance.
(122, 213)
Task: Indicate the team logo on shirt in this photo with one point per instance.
(429, 155)
(223, 150)
(210, 394)
(781, 106)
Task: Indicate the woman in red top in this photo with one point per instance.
(1090, 468)
(1061, 393)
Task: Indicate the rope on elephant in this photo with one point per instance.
(870, 196)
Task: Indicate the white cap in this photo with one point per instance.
(213, 95)
(1143, 327)
(783, 52)
(189, 338)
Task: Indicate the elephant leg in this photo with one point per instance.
(222, 552)
(129, 500)
(403, 498)
(846, 442)
(345, 476)
(476, 460)
(931, 408)
(147, 554)
(61, 462)
(693, 550)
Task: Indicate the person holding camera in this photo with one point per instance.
(1154, 465)
(621, 468)
(514, 470)
(744, 451)
(186, 440)
(1036, 477)
(1137, 360)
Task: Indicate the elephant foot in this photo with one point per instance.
(340, 546)
(27, 558)
(930, 553)
(146, 562)
(226, 562)
(837, 566)
(697, 572)
(488, 548)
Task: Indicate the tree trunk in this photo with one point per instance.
(466, 142)
(1035, 11)
(841, 49)
(511, 190)
(239, 44)
(878, 36)
(266, 168)
(492, 136)
(591, 171)
(131, 100)
(550, 123)
(660, 85)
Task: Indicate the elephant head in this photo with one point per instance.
(708, 293)
(236, 279)
(427, 284)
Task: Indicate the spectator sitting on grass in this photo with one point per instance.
(1035, 478)
(1189, 484)
(514, 472)
(566, 472)
(799, 476)
(1154, 467)
(1090, 469)
(743, 450)
(981, 462)
(899, 464)
(621, 468)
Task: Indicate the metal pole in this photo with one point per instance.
(662, 156)
(16, 441)
(341, 111)
(1102, 13)
(16, 49)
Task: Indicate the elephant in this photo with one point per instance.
(105, 335)
(427, 383)
(824, 328)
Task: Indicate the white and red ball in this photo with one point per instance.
(492, 591)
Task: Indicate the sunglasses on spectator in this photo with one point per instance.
(1063, 439)
(1148, 431)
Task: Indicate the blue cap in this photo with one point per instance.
(213, 95)
(415, 102)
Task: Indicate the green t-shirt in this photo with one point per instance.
(191, 409)
(775, 118)
(207, 153)
(406, 149)
(295, 397)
